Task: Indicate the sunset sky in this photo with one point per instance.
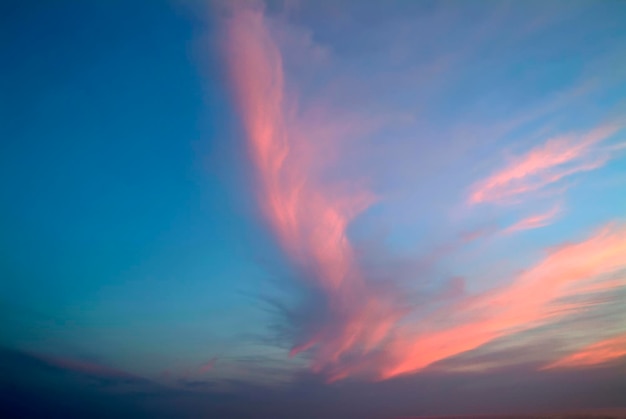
(334, 208)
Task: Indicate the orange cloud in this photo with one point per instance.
(544, 165)
(598, 353)
(535, 221)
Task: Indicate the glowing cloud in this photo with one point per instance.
(544, 165)
(533, 298)
(309, 219)
(363, 328)
(598, 353)
(535, 221)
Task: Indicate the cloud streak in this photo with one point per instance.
(535, 221)
(360, 327)
(535, 297)
(309, 219)
(544, 165)
(595, 354)
(208, 366)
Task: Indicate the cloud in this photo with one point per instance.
(208, 366)
(309, 218)
(351, 324)
(544, 165)
(102, 373)
(601, 352)
(564, 284)
(535, 297)
(32, 389)
(535, 221)
(90, 375)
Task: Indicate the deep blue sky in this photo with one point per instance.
(117, 215)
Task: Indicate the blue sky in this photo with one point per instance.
(120, 230)
(328, 197)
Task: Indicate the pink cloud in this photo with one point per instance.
(535, 297)
(535, 221)
(544, 165)
(530, 300)
(597, 353)
(364, 329)
(309, 219)
(208, 366)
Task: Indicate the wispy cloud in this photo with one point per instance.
(532, 299)
(357, 326)
(535, 221)
(597, 353)
(309, 219)
(208, 366)
(536, 297)
(544, 165)
(102, 373)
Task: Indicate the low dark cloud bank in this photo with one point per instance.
(34, 387)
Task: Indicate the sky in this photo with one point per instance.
(299, 208)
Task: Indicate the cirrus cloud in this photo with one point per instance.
(544, 165)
